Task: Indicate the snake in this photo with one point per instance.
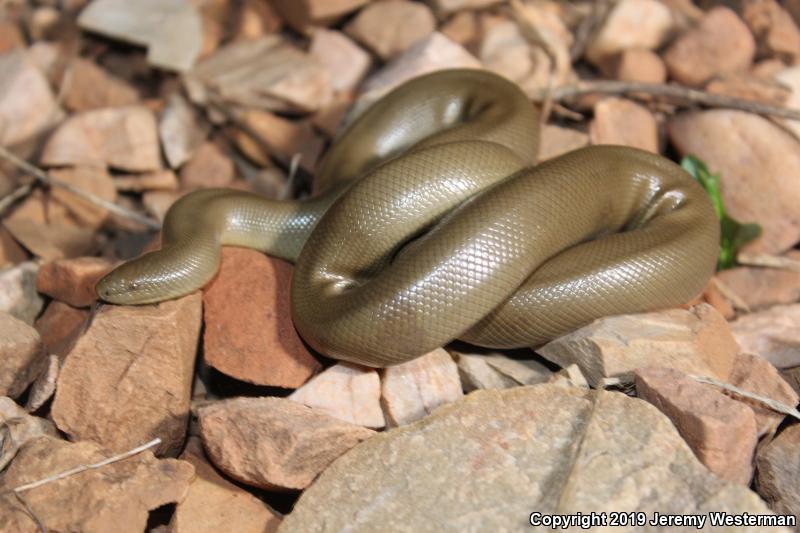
(434, 222)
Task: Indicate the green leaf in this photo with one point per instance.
(733, 234)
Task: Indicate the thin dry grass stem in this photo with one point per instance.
(767, 260)
(47, 179)
(763, 400)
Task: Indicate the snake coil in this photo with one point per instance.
(436, 224)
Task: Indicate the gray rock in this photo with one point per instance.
(488, 461)
(774, 334)
(18, 296)
(22, 357)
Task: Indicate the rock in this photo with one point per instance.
(274, 443)
(268, 73)
(774, 334)
(256, 19)
(156, 203)
(761, 287)
(284, 139)
(11, 253)
(27, 104)
(44, 386)
(249, 334)
(506, 51)
(695, 341)
(170, 29)
(11, 36)
(639, 64)
(445, 7)
(345, 61)
(495, 370)
(410, 23)
(777, 464)
(83, 213)
(775, 32)
(630, 24)
(412, 390)
(435, 52)
(72, 281)
(88, 86)
(720, 44)
(21, 355)
(756, 161)
(180, 130)
(792, 377)
(463, 28)
(621, 121)
(720, 430)
(556, 141)
(47, 228)
(17, 428)
(18, 296)
(347, 392)
(755, 374)
(128, 379)
(162, 180)
(487, 461)
(790, 77)
(300, 14)
(714, 297)
(215, 504)
(121, 137)
(115, 497)
(60, 326)
(208, 167)
(749, 87)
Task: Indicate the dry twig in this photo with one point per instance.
(770, 261)
(766, 402)
(674, 92)
(47, 179)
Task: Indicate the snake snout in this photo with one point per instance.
(120, 287)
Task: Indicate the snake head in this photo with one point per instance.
(123, 286)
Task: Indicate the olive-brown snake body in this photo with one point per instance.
(436, 225)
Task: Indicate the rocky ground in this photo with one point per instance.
(209, 413)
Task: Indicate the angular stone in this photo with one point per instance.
(72, 281)
(346, 62)
(494, 456)
(695, 341)
(720, 430)
(44, 386)
(170, 29)
(790, 77)
(556, 141)
(777, 464)
(639, 64)
(18, 295)
(88, 86)
(762, 287)
(720, 44)
(347, 392)
(256, 19)
(81, 212)
(122, 137)
(21, 355)
(435, 52)
(748, 86)
(27, 104)
(412, 390)
(60, 326)
(209, 167)
(630, 24)
(249, 334)
(756, 160)
(274, 443)
(18, 428)
(115, 497)
(11, 36)
(11, 253)
(774, 334)
(300, 14)
(128, 379)
(180, 130)
(284, 139)
(774, 30)
(755, 374)
(410, 23)
(621, 121)
(476, 373)
(505, 50)
(445, 7)
(268, 73)
(215, 504)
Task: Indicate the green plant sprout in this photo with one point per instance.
(733, 234)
